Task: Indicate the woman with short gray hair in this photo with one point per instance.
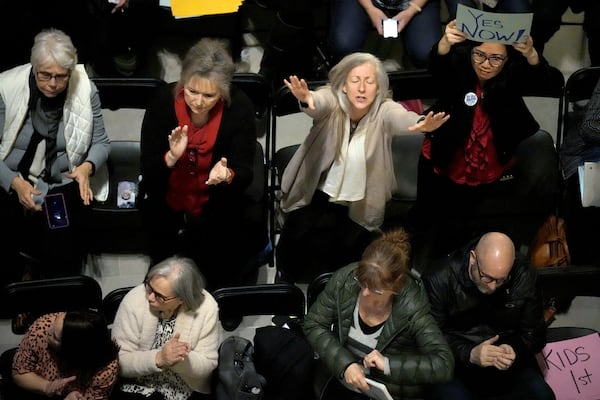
(167, 329)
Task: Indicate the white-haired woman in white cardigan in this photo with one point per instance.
(167, 328)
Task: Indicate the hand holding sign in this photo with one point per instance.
(451, 37)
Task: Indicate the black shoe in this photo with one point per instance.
(231, 323)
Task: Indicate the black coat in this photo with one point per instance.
(235, 140)
(510, 119)
(467, 317)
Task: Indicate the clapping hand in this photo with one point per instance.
(219, 173)
(172, 352)
(178, 140)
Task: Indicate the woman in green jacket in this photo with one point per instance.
(372, 320)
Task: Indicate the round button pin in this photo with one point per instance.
(470, 99)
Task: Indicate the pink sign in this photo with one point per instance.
(572, 367)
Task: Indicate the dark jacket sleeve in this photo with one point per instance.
(530, 335)
(418, 351)
(159, 120)
(590, 126)
(236, 141)
(318, 328)
(440, 293)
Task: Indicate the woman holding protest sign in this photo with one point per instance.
(474, 155)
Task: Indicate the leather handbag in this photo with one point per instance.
(236, 376)
(549, 247)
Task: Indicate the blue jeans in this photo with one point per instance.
(525, 383)
(350, 25)
(503, 6)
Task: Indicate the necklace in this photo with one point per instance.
(353, 126)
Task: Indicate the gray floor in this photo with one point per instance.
(114, 271)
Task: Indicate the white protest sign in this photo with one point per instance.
(484, 26)
(572, 367)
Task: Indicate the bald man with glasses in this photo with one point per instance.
(488, 305)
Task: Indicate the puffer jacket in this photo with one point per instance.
(467, 317)
(411, 340)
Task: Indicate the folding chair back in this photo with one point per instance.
(114, 229)
(316, 287)
(263, 299)
(579, 86)
(256, 196)
(42, 296)
(283, 104)
(112, 301)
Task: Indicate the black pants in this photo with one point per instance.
(448, 214)
(218, 240)
(317, 238)
(60, 251)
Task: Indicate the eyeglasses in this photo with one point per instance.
(159, 297)
(379, 292)
(485, 278)
(480, 57)
(47, 76)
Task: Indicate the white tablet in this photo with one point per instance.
(378, 390)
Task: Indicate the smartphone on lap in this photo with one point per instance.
(56, 211)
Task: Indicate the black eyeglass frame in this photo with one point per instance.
(485, 278)
(480, 57)
(159, 297)
(44, 76)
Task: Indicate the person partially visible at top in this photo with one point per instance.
(336, 185)
(473, 156)
(581, 144)
(53, 152)
(418, 23)
(198, 142)
(499, 6)
(547, 20)
(68, 355)
(167, 329)
(373, 320)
